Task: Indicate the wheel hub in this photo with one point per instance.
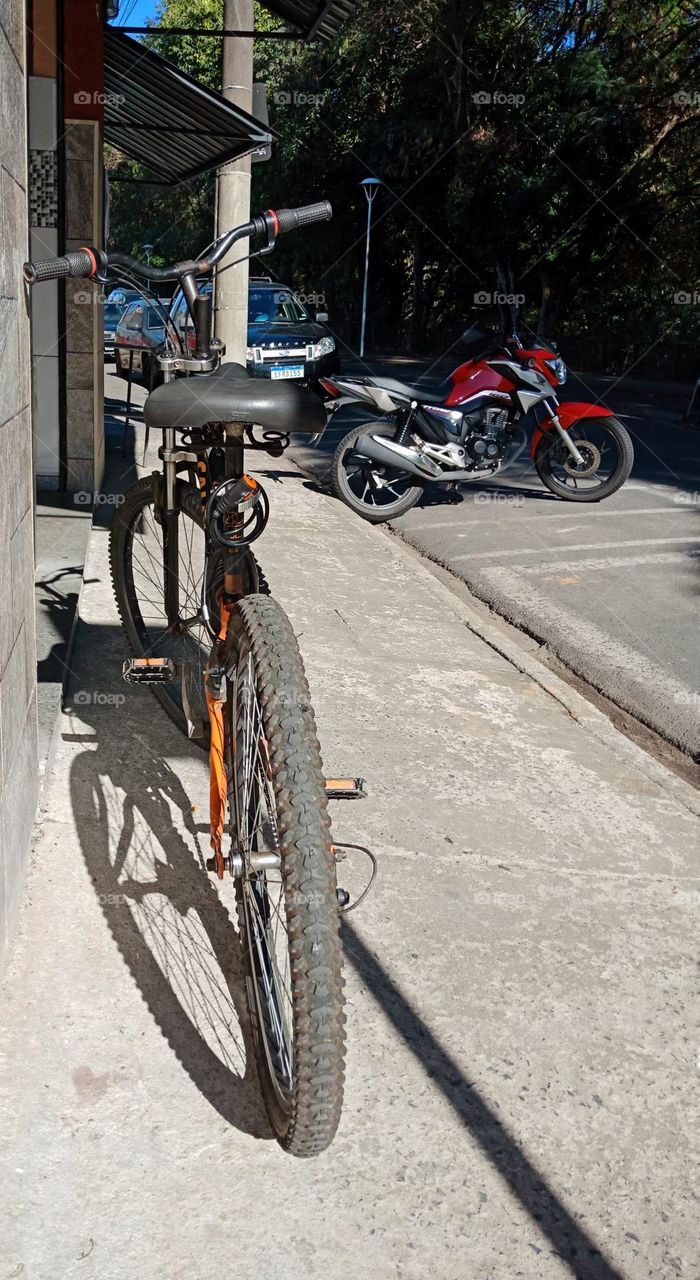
(591, 460)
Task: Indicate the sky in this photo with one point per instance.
(135, 13)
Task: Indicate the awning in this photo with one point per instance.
(322, 20)
(163, 118)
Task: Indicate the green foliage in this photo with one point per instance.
(577, 177)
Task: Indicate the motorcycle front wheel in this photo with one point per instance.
(376, 493)
(607, 454)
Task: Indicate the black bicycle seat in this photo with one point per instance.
(231, 395)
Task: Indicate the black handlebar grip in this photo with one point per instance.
(79, 263)
(289, 219)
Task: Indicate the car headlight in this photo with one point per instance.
(249, 353)
(558, 368)
(324, 347)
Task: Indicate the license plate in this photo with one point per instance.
(287, 371)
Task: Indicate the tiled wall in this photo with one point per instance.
(43, 241)
(18, 746)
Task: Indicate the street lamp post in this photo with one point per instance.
(148, 250)
(370, 186)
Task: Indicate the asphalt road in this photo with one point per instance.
(611, 588)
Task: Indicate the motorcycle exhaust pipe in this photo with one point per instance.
(390, 454)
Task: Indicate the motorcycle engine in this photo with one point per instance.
(485, 440)
(481, 439)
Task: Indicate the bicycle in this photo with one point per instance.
(221, 656)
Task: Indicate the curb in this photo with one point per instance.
(578, 707)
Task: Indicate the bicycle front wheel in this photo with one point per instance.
(136, 561)
(287, 901)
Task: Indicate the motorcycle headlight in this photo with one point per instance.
(324, 347)
(558, 368)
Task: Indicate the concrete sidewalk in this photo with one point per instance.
(520, 1067)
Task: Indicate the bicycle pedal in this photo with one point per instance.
(346, 788)
(149, 670)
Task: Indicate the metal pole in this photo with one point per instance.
(233, 184)
(364, 291)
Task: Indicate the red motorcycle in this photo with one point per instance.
(470, 429)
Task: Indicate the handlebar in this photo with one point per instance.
(83, 262)
(290, 219)
(93, 263)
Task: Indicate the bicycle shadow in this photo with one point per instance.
(145, 856)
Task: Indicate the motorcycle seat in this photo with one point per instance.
(424, 393)
(231, 395)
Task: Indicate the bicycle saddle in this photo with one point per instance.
(231, 395)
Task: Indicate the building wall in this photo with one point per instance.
(66, 104)
(18, 733)
(85, 446)
(43, 243)
(83, 105)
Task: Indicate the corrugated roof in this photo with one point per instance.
(163, 118)
(321, 20)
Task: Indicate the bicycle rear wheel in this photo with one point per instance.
(288, 912)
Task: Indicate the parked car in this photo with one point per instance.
(112, 314)
(139, 332)
(284, 341)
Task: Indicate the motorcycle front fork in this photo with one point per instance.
(564, 436)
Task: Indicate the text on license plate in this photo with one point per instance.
(287, 371)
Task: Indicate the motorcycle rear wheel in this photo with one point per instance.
(373, 492)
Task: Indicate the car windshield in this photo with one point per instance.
(265, 306)
(112, 314)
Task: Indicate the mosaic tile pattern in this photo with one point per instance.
(43, 186)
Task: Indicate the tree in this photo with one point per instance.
(551, 139)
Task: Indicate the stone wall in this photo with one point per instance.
(83, 317)
(18, 736)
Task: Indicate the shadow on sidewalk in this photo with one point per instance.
(145, 855)
(568, 1239)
